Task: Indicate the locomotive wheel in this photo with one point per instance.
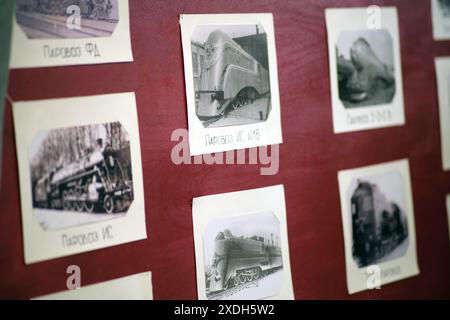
(242, 278)
(78, 204)
(71, 202)
(108, 204)
(236, 281)
(89, 206)
(256, 274)
(65, 202)
(225, 285)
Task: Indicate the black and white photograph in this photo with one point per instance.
(231, 74)
(47, 33)
(81, 175)
(243, 257)
(378, 224)
(440, 10)
(442, 68)
(49, 19)
(365, 67)
(241, 245)
(231, 81)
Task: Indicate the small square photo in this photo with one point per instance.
(241, 245)
(80, 174)
(365, 68)
(231, 81)
(378, 223)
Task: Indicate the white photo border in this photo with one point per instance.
(439, 31)
(269, 130)
(30, 118)
(357, 277)
(368, 117)
(133, 287)
(240, 203)
(442, 67)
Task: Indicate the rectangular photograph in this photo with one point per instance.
(365, 68)
(231, 81)
(80, 174)
(442, 67)
(241, 246)
(65, 32)
(440, 12)
(378, 224)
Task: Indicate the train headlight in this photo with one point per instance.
(217, 276)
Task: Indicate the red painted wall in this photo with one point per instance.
(310, 156)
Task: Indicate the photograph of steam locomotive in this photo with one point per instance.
(82, 172)
(230, 74)
(365, 68)
(379, 222)
(243, 257)
(48, 19)
(444, 7)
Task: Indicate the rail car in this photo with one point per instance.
(231, 77)
(94, 183)
(95, 9)
(238, 260)
(378, 225)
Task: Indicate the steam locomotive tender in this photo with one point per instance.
(238, 260)
(94, 183)
(231, 77)
(378, 225)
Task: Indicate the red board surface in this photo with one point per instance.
(310, 156)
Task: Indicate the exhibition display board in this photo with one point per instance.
(306, 163)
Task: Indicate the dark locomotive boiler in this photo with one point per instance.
(379, 225)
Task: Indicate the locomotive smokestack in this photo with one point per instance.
(271, 237)
(257, 29)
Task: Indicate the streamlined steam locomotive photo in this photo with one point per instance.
(365, 68)
(379, 226)
(231, 77)
(84, 169)
(46, 19)
(243, 257)
(238, 260)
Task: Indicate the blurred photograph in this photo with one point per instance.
(231, 77)
(243, 257)
(52, 19)
(377, 212)
(81, 174)
(365, 66)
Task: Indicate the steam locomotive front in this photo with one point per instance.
(363, 224)
(211, 94)
(218, 280)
